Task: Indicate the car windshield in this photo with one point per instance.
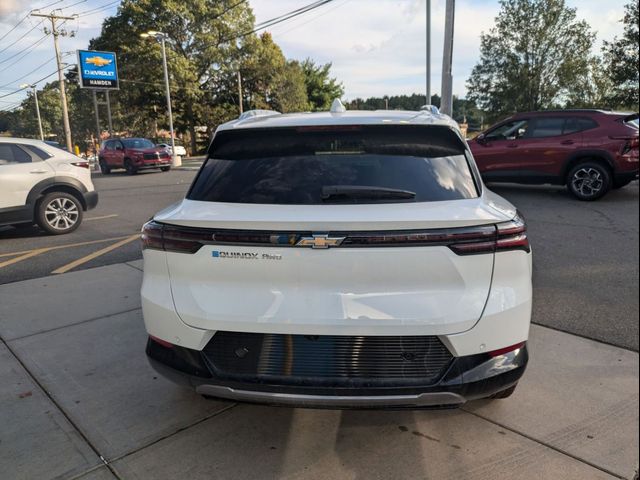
(137, 143)
(319, 165)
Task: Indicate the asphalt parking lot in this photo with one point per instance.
(585, 253)
(78, 399)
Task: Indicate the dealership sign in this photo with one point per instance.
(97, 70)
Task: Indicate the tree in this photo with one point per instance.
(532, 59)
(269, 81)
(621, 61)
(321, 88)
(462, 108)
(204, 39)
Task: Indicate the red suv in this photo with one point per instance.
(589, 151)
(132, 154)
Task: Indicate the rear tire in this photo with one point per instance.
(589, 180)
(59, 213)
(104, 168)
(506, 393)
(128, 166)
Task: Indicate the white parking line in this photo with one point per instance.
(101, 217)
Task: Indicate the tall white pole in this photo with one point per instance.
(174, 157)
(446, 105)
(428, 94)
(240, 92)
(35, 96)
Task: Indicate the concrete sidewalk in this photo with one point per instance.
(78, 400)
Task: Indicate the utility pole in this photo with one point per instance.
(35, 97)
(428, 52)
(446, 105)
(63, 94)
(240, 91)
(109, 122)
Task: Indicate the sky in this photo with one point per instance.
(376, 47)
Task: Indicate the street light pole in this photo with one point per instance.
(428, 52)
(35, 97)
(162, 37)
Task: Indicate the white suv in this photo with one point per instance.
(43, 184)
(339, 259)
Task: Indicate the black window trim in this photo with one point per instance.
(468, 155)
(565, 118)
(34, 158)
(487, 134)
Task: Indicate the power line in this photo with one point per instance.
(15, 26)
(27, 74)
(23, 35)
(292, 13)
(72, 5)
(27, 16)
(96, 9)
(11, 107)
(48, 5)
(228, 9)
(282, 18)
(32, 83)
(25, 51)
(295, 27)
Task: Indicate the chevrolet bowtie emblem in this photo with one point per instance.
(320, 241)
(98, 61)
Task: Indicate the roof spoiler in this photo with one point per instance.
(257, 113)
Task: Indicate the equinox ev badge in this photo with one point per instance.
(245, 255)
(320, 241)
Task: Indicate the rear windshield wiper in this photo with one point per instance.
(338, 192)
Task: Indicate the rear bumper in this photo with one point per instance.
(161, 162)
(625, 177)
(91, 199)
(466, 378)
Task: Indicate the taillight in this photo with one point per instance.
(629, 145)
(510, 235)
(80, 164)
(478, 240)
(161, 342)
(172, 238)
(151, 235)
(513, 235)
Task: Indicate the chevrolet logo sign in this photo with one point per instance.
(320, 241)
(98, 61)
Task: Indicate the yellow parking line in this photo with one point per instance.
(30, 254)
(91, 256)
(68, 245)
(101, 217)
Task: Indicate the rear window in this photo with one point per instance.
(304, 165)
(137, 143)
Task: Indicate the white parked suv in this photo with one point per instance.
(339, 259)
(43, 184)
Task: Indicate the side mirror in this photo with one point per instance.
(481, 139)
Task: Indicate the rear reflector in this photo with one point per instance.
(477, 240)
(505, 350)
(161, 342)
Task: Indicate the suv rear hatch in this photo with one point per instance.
(350, 231)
